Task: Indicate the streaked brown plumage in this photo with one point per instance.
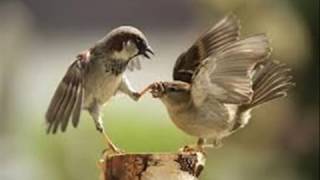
(94, 77)
(219, 80)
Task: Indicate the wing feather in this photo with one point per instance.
(70, 106)
(66, 99)
(227, 76)
(212, 41)
(77, 110)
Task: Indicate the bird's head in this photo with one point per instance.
(127, 42)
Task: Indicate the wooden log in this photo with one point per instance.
(152, 166)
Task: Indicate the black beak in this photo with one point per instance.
(146, 51)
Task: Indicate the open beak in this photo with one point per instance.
(146, 51)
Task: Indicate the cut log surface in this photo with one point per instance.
(148, 166)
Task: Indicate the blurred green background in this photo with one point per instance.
(40, 38)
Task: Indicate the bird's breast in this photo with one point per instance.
(100, 86)
(210, 121)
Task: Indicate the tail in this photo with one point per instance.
(271, 81)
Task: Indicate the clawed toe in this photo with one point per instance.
(157, 89)
(112, 149)
(191, 148)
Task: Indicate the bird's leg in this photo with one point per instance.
(113, 147)
(126, 88)
(145, 90)
(197, 147)
(202, 144)
(95, 113)
(157, 89)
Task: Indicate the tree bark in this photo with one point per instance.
(152, 166)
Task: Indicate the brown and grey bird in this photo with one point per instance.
(94, 77)
(219, 80)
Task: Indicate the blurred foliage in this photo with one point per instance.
(281, 142)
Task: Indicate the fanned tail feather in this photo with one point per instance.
(270, 82)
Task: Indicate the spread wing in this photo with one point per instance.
(67, 100)
(221, 34)
(227, 76)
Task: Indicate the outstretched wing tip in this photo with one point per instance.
(227, 76)
(224, 32)
(65, 99)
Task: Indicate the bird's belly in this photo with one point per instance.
(99, 89)
(188, 122)
(199, 125)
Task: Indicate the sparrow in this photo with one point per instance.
(94, 77)
(219, 80)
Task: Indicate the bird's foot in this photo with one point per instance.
(136, 96)
(112, 149)
(192, 148)
(201, 146)
(158, 89)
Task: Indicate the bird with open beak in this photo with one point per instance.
(94, 77)
(219, 80)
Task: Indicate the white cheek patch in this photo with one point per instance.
(129, 49)
(127, 44)
(123, 55)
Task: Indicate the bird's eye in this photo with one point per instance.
(139, 42)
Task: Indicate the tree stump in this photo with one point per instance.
(152, 166)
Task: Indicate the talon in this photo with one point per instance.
(112, 149)
(157, 89)
(156, 85)
(187, 149)
(162, 86)
(117, 150)
(111, 146)
(192, 149)
(109, 151)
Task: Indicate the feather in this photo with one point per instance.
(227, 76)
(272, 81)
(65, 99)
(226, 31)
(77, 110)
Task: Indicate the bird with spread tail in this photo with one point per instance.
(94, 77)
(219, 80)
